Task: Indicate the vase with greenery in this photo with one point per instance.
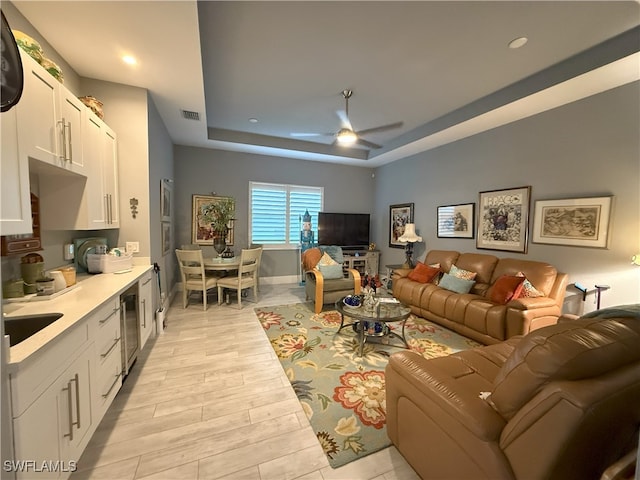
(219, 214)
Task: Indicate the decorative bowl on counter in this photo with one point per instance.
(352, 300)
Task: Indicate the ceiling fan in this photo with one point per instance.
(347, 136)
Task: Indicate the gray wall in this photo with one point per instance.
(587, 148)
(160, 167)
(203, 171)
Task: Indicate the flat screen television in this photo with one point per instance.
(343, 229)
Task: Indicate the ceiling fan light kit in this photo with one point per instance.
(347, 136)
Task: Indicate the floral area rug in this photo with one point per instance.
(343, 394)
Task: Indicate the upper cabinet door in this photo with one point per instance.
(15, 202)
(72, 112)
(110, 170)
(38, 114)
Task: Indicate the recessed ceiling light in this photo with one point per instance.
(128, 59)
(253, 120)
(518, 42)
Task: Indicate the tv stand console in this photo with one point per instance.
(364, 261)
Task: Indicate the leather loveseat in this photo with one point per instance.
(475, 314)
(562, 402)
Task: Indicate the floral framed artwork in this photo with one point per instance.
(456, 221)
(201, 232)
(166, 238)
(399, 216)
(503, 219)
(579, 222)
(166, 195)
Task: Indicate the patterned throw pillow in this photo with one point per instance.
(327, 260)
(460, 273)
(528, 290)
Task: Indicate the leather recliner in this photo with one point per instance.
(562, 402)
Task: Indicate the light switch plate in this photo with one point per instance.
(132, 247)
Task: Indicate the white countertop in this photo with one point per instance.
(75, 305)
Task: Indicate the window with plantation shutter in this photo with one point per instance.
(276, 212)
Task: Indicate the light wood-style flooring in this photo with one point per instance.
(208, 399)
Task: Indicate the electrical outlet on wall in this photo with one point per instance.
(132, 247)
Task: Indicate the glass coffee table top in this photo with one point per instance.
(373, 323)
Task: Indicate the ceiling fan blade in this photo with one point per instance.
(381, 128)
(365, 143)
(300, 134)
(344, 119)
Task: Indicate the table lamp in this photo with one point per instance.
(410, 237)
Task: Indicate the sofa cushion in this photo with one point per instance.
(327, 260)
(540, 274)
(483, 265)
(576, 350)
(455, 284)
(462, 273)
(330, 272)
(505, 288)
(423, 273)
(528, 290)
(445, 258)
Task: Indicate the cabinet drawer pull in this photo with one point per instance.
(70, 399)
(105, 395)
(144, 313)
(77, 424)
(106, 354)
(146, 281)
(106, 319)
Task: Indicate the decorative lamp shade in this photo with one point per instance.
(636, 259)
(409, 234)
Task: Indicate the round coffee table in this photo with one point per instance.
(374, 323)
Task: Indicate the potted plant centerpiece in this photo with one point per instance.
(220, 215)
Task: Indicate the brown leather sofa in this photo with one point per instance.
(562, 402)
(473, 314)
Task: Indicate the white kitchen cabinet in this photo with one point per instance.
(50, 120)
(54, 429)
(15, 202)
(145, 297)
(91, 202)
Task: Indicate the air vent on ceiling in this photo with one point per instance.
(190, 115)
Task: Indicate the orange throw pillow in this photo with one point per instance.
(311, 258)
(506, 288)
(423, 273)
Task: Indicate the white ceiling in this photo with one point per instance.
(286, 63)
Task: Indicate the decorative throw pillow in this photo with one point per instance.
(311, 258)
(505, 288)
(436, 279)
(330, 272)
(327, 260)
(334, 252)
(528, 290)
(460, 273)
(423, 273)
(455, 284)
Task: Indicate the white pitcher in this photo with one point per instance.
(59, 283)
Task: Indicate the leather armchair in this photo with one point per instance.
(322, 290)
(562, 402)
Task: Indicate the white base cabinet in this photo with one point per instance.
(54, 430)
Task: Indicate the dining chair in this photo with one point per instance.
(247, 276)
(193, 275)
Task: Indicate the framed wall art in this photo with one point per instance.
(503, 219)
(166, 238)
(580, 222)
(166, 195)
(201, 232)
(456, 221)
(399, 216)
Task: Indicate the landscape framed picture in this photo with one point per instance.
(202, 233)
(579, 222)
(503, 219)
(456, 221)
(399, 216)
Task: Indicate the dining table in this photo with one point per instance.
(221, 264)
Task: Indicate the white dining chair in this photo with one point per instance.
(193, 275)
(247, 276)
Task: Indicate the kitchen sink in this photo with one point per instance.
(21, 328)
